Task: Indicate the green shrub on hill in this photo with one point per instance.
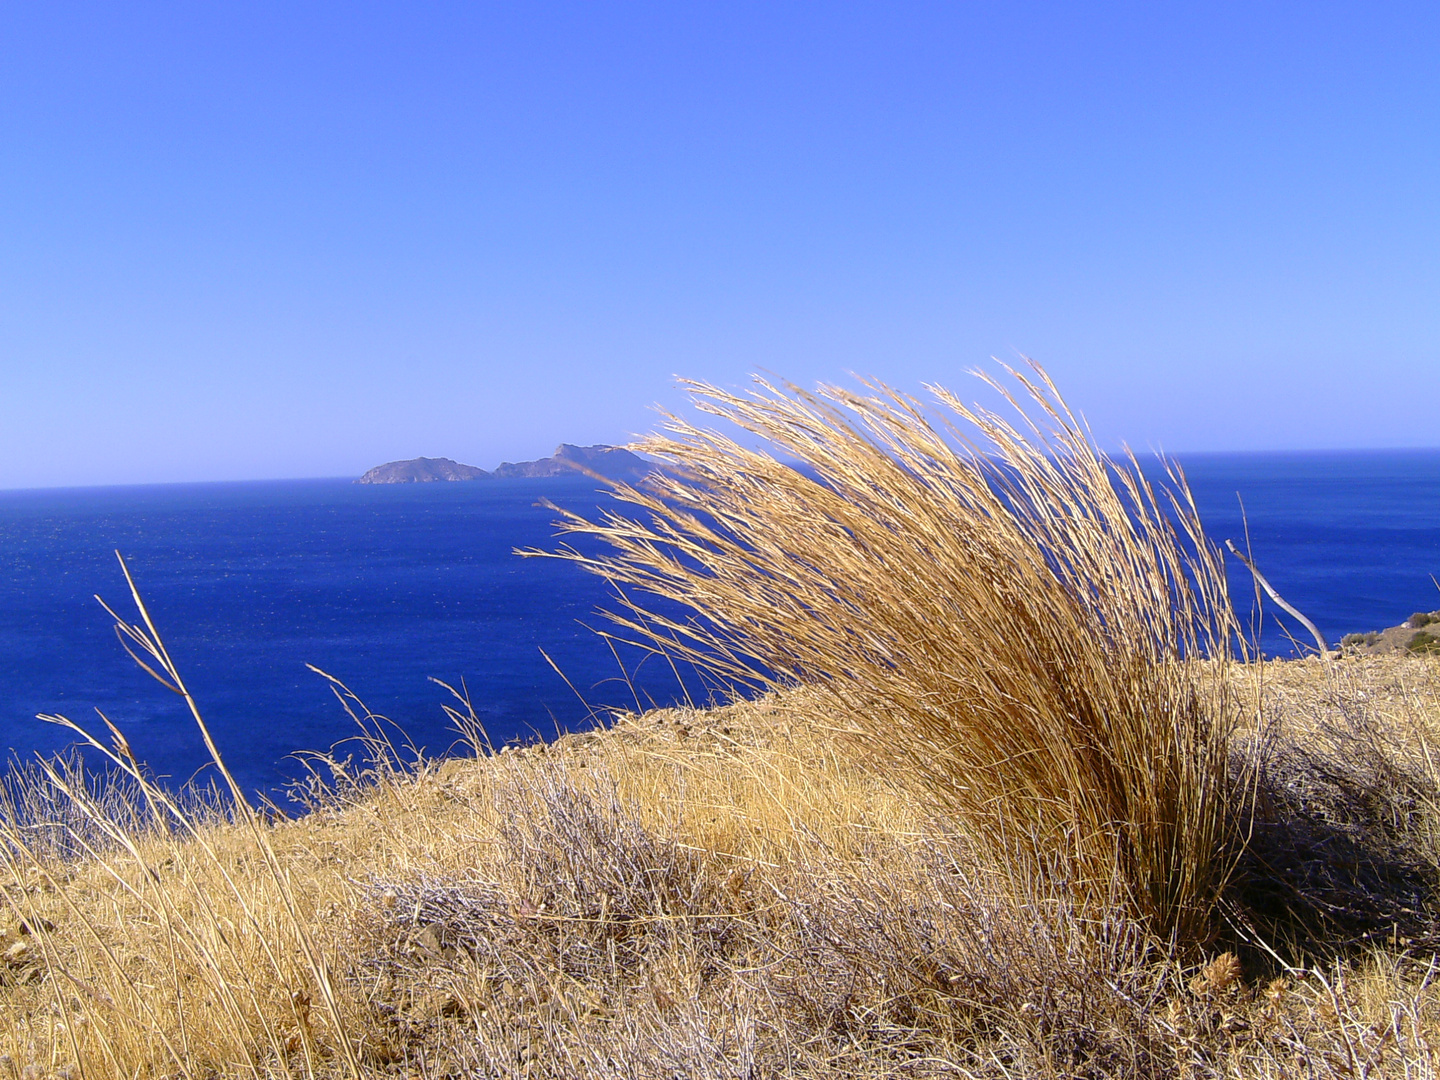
(1424, 642)
(1356, 640)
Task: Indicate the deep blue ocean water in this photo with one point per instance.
(1350, 538)
(386, 586)
(382, 586)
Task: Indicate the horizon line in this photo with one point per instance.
(350, 478)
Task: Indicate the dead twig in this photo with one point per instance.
(1270, 592)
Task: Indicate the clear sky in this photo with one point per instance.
(287, 239)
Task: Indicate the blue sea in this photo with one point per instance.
(388, 587)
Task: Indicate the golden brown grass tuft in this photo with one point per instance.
(1001, 613)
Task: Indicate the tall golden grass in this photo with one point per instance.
(231, 939)
(1003, 614)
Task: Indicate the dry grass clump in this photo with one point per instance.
(1009, 618)
(230, 937)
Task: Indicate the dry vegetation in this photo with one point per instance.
(1030, 835)
(724, 893)
(1014, 624)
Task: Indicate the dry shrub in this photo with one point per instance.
(1003, 615)
(584, 877)
(55, 827)
(596, 947)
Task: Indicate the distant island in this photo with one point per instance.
(421, 470)
(611, 462)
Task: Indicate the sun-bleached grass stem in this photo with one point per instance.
(157, 662)
(1320, 643)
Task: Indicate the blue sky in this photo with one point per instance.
(267, 240)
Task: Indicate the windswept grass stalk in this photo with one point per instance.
(1017, 622)
(273, 934)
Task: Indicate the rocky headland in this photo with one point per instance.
(610, 462)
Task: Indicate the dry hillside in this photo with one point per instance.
(725, 893)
